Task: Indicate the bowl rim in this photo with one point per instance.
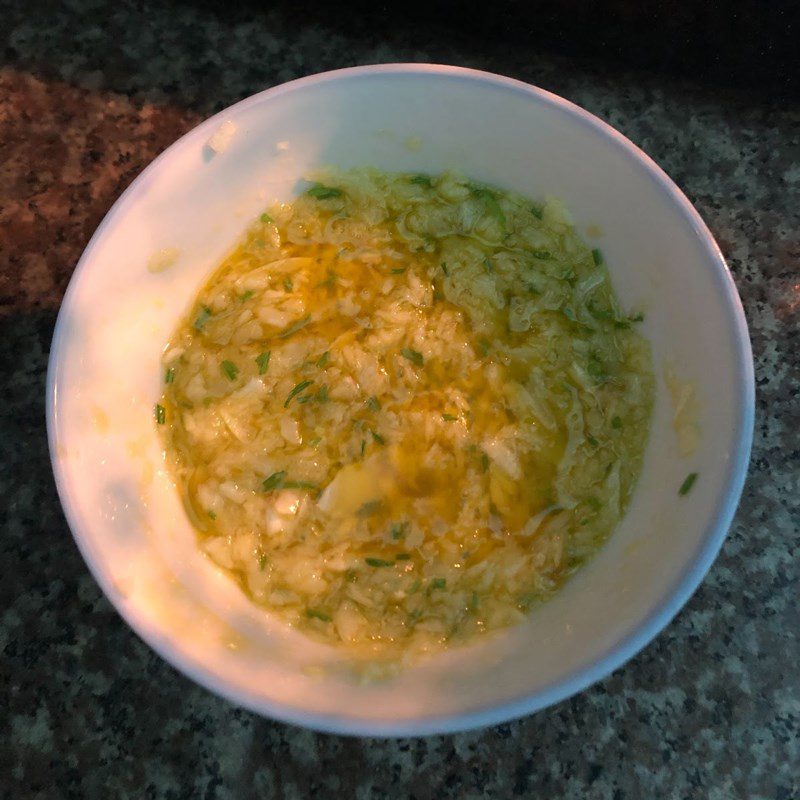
(580, 678)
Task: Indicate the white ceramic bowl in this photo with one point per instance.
(105, 377)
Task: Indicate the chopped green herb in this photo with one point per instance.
(378, 438)
(378, 562)
(369, 508)
(169, 375)
(398, 530)
(484, 462)
(398, 271)
(315, 441)
(413, 356)
(487, 265)
(323, 359)
(568, 313)
(542, 255)
(584, 522)
(438, 583)
(402, 557)
(351, 576)
(414, 586)
(616, 423)
(262, 561)
(636, 317)
(203, 316)
(592, 441)
(490, 203)
(596, 370)
(229, 369)
(212, 514)
(288, 284)
(686, 486)
(373, 404)
(246, 296)
(322, 394)
(537, 211)
(330, 281)
(444, 268)
(295, 327)
(263, 361)
(297, 389)
(597, 256)
(363, 446)
(161, 414)
(421, 180)
(313, 613)
(449, 417)
(594, 503)
(321, 192)
(274, 481)
(312, 487)
(265, 217)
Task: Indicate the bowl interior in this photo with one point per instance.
(105, 378)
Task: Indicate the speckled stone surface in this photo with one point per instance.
(89, 94)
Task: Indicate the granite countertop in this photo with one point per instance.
(89, 94)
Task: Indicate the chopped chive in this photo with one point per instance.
(378, 438)
(322, 394)
(329, 282)
(378, 562)
(169, 375)
(592, 441)
(369, 508)
(414, 586)
(398, 271)
(246, 296)
(686, 486)
(413, 356)
(636, 317)
(322, 192)
(438, 583)
(295, 327)
(311, 487)
(487, 265)
(568, 313)
(398, 530)
(161, 414)
(203, 316)
(421, 180)
(449, 417)
(323, 359)
(313, 613)
(229, 369)
(537, 211)
(490, 203)
(305, 398)
(584, 522)
(484, 462)
(402, 557)
(597, 256)
(297, 389)
(373, 404)
(263, 361)
(212, 514)
(542, 255)
(288, 284)
(274, 481)
(265, 217)
(315, 441)
(363, 446)
(616, 423)
(262, 562)
(444, 268)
